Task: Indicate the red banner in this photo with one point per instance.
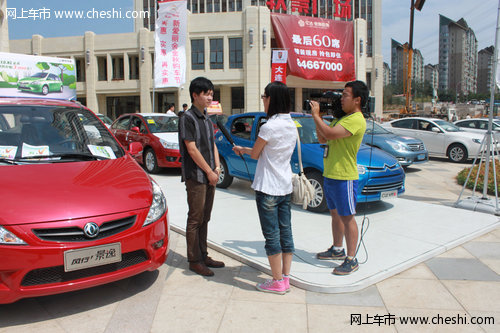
(318, 49)
(278, 73)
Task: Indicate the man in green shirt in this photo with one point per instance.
(343, 138)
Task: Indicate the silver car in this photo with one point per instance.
(440, 137)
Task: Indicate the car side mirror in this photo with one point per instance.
(134, 148)
(135, 129)
(436, 130)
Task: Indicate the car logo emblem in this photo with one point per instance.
(91, 230)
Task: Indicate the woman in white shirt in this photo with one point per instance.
(273, 184)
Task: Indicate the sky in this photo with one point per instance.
(481, 16)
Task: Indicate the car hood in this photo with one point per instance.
(367, 156)
(37, 193)
(393, 137)
(169, 136)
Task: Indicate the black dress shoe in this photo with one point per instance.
(200, 269)
(213, 263)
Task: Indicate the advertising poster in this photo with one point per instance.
(278, 70)
(23, 75)
(170, 44)
(318, 49)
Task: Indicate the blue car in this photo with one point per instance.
(380, 174)
(407, 150)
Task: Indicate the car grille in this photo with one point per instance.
(75, 234)
(374, 189)
(416, 146)
(57, 274)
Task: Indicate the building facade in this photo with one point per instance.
(387, 74)
(418, 66)
(457, 56)
(4, 28)
(114, 71)
(484, 69)
(432, 75)
(399, 63)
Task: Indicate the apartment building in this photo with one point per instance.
(457, 56)
(114, 71)
(399, 63)
(484, 69)
(431, 74)
(387, 74)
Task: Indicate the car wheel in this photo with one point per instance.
(457, 153)
(225, 179)
(150, 161)
(318, 203)
(45, 90)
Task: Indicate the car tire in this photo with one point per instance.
(318, 204)
(150, 161)
(225, 179)
(457, 153)
(45, 90)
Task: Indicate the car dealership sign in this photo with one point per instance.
(318, 49)
(24, 75)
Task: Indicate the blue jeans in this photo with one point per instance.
(275, 220)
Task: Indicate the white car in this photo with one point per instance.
(440, 137)
(479, 125)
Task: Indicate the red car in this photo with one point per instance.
(76, 209)
(158, 135)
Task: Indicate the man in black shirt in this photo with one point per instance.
(200, 172)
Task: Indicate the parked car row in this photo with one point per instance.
(440, 137)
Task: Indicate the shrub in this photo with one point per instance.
(462, 175)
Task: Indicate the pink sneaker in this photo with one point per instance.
(272, 286)
(287, 283)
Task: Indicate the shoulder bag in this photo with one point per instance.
(303, 190)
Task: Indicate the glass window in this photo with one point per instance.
(242, 127)
(236, 52)
(122, 123)
(197, 54)
(237, 100)
(216, 53)
(405, 123)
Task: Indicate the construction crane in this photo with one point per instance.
(407, 110)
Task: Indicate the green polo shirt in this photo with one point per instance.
(341, 162)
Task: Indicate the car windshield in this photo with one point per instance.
(46, 134)
(307, 129)
(374, 128)
(448, 127)
(105, 119)
(41, 75)
(162, 124)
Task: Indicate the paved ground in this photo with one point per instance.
(459, 284)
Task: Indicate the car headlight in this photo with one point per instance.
(169, 145)
(398, 146)
(361, 169)
(8, 238)
(476, 141)
(158, 206)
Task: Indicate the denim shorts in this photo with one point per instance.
(275, 220)
(341, 195)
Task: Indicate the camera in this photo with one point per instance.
(329, 103)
